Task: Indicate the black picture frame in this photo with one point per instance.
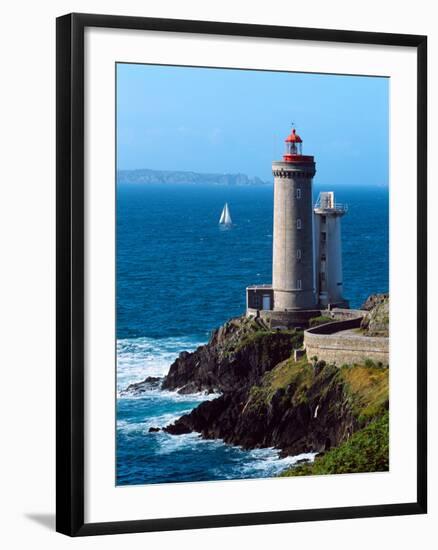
(70, 273)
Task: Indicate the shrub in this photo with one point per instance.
(320, 320)
(366, 451)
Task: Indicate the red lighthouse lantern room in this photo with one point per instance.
(294, 149)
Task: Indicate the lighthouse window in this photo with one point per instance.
(298, 284)
(323, 219)
(298, 253)
(298, 223)
(298, 195)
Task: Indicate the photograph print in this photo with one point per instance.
(252, 274)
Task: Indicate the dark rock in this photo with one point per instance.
(237, 356)
(279, 423)
(137, 388)
(152, 429)
(152, 380)
(310, 411)
(178, 428)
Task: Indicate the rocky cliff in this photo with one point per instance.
(270, 400)
(296, 407)
(236, 357)
(267, 399)
(376, 320)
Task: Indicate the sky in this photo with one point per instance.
(235, 121)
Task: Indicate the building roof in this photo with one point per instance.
(293, 137)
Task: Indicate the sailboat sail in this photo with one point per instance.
(225, 218)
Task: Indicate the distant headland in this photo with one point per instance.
(148, 176)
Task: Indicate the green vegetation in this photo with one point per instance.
(352, 400)
(358, 392)
(269, 338)
(366, 451)
(367, 387)
(320, 320)
(296, 377)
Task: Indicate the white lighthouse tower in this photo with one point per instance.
(328, 250)
(293, 280)
(307, 252)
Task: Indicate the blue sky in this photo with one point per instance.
(221, 120)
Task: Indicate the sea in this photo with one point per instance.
(179, 276)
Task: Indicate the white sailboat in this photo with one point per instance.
(225, 218)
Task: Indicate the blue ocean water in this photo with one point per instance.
(179, 275)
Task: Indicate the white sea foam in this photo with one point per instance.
(157, 421)
(253, 463)
(265, 463)
(138, 358)
(158, 395)
(268, 460)
(169, 444)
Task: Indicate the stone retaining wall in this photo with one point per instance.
(329, 344)
(341, 314)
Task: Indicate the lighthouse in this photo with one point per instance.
(293, 264)
(307, 250)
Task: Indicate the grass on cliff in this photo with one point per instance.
(295, 375)
(258, 336)
(368, 389)
(365, 387)
(362, 390)
(367, 450)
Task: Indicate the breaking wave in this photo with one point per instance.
(138, 358)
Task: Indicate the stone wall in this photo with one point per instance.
(329, 343)
(288, 319)
(341, 314)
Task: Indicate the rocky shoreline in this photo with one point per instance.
(268, 399)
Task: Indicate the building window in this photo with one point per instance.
(323, 257)
(322, 276)
(323, 236)
(298, 284)
(323, 219)
(298, 253)
(298, 193)
(298, 223)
